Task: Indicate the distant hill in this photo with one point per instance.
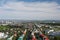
(42, 21)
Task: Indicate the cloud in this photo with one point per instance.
(30, 10)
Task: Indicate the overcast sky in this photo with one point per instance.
(30, 9)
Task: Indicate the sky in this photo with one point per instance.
(30, 9)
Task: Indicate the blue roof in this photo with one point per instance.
(54, 34)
